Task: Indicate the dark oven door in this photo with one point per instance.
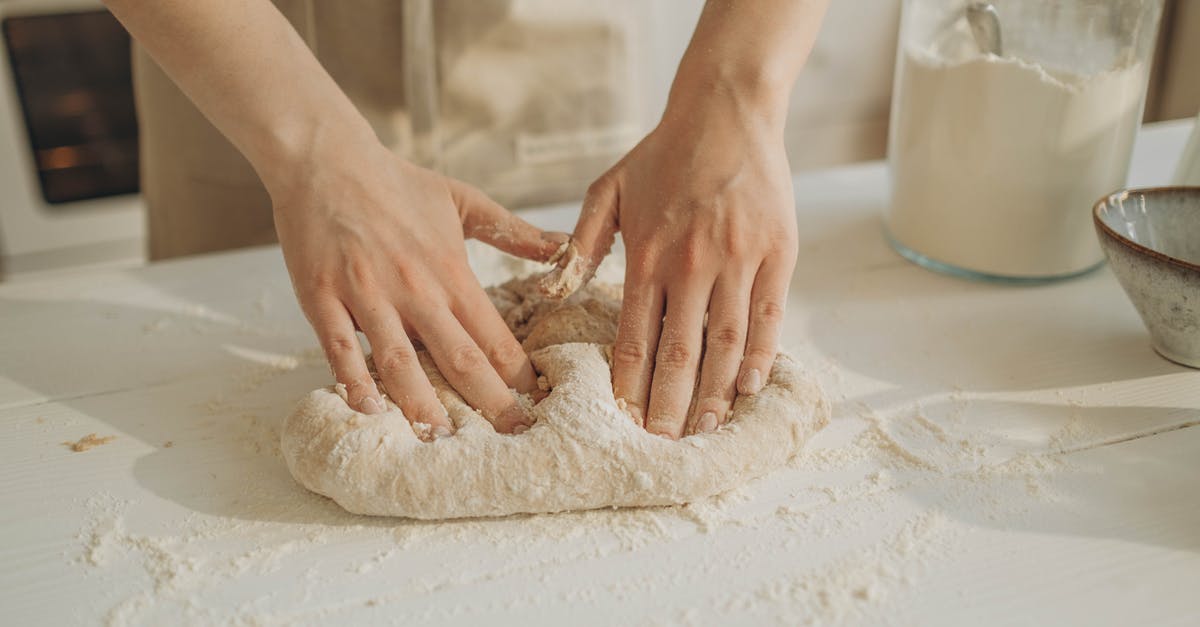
(72, 77)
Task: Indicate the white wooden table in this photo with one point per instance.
(1005, 455)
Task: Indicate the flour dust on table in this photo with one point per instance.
(583, 451)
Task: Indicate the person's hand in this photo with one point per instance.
(704, 204)
(375, 242)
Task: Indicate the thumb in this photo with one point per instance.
(594, 234)
(485, 220)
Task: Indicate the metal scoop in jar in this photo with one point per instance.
(985, 26)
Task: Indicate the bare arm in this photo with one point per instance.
(370, 239)
(748, 50)
(251, 74)
(704, 204)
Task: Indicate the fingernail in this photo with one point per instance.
(371, 406)
(751, 382)
(707, 422)
(442, 431)
(635, 412)
(515, 416)
(519, 429)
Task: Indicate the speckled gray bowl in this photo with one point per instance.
(1152, 240)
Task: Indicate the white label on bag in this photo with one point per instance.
(535, 149)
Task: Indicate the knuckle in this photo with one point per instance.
(791, 254)
(786, 243)
(675, 354)
(640, 263)
(734, 244)
(462, 276)
(358, 387)
(428, 412)
(725, 337)
(506, 353)
(601, 185)
(764, 354)
(360, 273)
(660, 420)
(338, 347)
(693, 255)
(406, 274)
(716, 404)
(629, 353)
(665, 424)
(467, 359)
(321, 284)
(395, 359)
(768, 311)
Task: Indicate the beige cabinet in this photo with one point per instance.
(1175, 83)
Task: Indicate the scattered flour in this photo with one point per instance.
(868, 576)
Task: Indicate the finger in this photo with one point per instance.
(485, 220)
(767, 302)
(724, 345)
(638, 327)
(597, 225)
(467, 369)
(335, 330)
(479, 317)
(589, 245)
(678, 358)
(400, 370)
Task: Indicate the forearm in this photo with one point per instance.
(249, 72)
(748, 52)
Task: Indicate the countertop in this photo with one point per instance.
(997, 454)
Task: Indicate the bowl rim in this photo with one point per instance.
(1128, 243)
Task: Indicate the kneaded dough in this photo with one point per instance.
(583, 452)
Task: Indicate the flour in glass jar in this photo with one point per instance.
(996, 161)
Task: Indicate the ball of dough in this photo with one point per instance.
(583, 452)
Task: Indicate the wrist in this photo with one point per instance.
(744, 91)
(721, 99)
(292, 151)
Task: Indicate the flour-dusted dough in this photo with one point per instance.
(582, 453)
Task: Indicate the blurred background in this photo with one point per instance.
(524, 99)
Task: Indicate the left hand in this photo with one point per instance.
(705, 206)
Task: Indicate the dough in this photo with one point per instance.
(570, 273)
(583, 452)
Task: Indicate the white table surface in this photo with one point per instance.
(1005, 455)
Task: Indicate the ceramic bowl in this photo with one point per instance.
(1152, 240)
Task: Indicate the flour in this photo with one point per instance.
(996, 162)
(838, 569)
(849, 587)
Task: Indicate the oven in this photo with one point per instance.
(68, 139)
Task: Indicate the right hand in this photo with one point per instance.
(374, 242)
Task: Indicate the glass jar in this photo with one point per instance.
(1009, 120)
